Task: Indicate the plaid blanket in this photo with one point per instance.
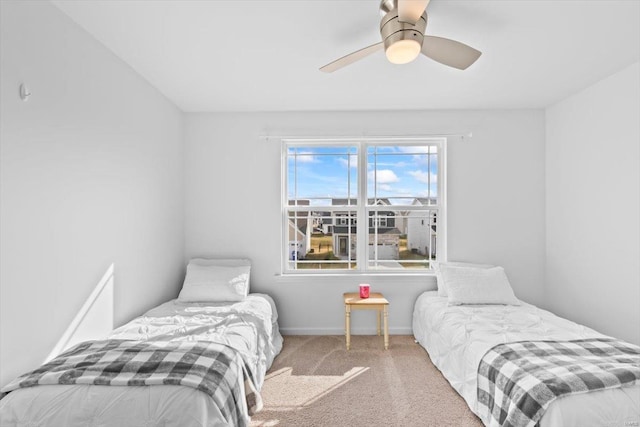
(213, 368)
(517, 381)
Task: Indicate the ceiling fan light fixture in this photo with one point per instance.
(402, 40)
(403, 51)
(402, 29)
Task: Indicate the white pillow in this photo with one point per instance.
(223, 262)
(215, 283)
(471, 285)
(442, 287)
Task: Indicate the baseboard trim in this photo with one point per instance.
(340, 331)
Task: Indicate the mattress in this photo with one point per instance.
(457, 337)
(249, 326)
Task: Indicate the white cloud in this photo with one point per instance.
(345, 163)
(417, 149)
(394, 165)
(421, 154)
(424, 177)
(306, 157)
(383, 176)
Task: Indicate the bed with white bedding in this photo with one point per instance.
(458, 336)
(248, 326)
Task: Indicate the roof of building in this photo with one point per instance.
(354, 202)
(425, 200)
(344, 229)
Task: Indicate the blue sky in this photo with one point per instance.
(325, 172)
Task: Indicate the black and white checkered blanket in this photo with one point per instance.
(517, 381)
(216, 369)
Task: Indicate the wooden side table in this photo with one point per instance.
(376, 301)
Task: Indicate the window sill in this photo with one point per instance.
(357, 274)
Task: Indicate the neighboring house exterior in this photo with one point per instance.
(421, 231)
(325, 222)
(387, 237)
(342, 226)
(299, 242)
(401, 221)
(300, 227)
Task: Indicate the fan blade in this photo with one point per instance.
(351, 58)
(411, 10)
(449, 52)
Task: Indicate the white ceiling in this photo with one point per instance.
(264, 55)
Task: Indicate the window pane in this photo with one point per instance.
(319, 174)
(399, 174)
(322, 240)
(401, 240)
(399, 210)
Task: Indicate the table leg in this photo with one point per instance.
(347, 321)
(378, 320)
(386, 327)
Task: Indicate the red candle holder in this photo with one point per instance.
(364, 291)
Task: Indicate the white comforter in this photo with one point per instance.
(457, 337)
(249, 326)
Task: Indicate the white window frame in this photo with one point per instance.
(362, 209)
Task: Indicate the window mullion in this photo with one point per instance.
(349, 217)
(285, 214)
(375, 215)
(429, 175)
(362, 220)
(441, 223)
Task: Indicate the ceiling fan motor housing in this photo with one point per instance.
(393, 30)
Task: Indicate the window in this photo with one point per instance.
(362, 206)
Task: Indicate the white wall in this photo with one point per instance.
(91, 174)
(496, 203)
(593, 206)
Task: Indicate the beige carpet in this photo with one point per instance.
(315, 381)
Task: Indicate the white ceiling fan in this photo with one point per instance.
(402, 29)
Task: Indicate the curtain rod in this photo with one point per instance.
(352, 138)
